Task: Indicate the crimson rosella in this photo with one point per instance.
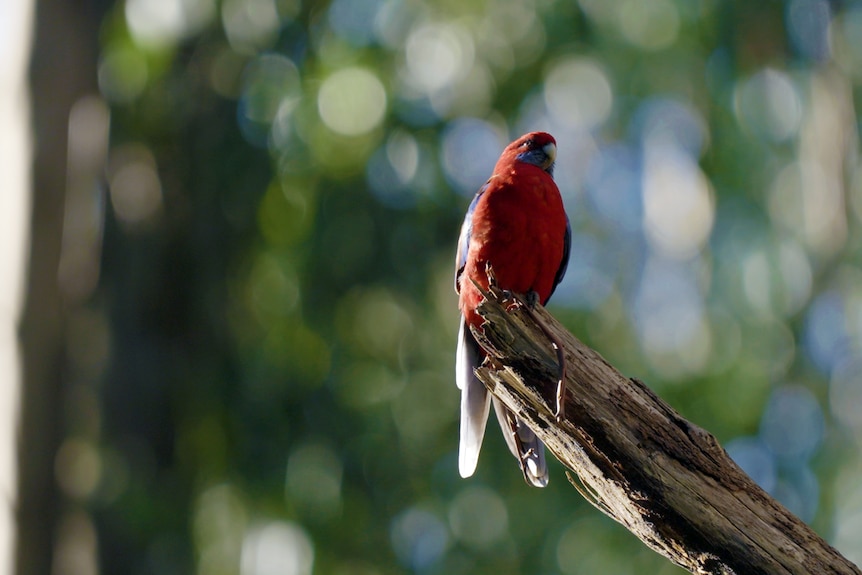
(517, 224)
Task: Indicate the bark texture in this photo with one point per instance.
(663, 478)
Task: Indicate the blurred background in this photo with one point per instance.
(238, 326)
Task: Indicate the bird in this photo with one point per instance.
(516, 225)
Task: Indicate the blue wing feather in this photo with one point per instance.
(564, 263)
(464, 238)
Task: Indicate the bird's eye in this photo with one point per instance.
(528, 144)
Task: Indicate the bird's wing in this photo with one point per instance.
(564, 263)
(475, 401)
(464, 238)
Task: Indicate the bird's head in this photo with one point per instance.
(536, 148)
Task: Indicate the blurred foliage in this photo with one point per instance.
(275, 321)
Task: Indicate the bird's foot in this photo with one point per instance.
(510, 301)
(492, 277)
(531, 298)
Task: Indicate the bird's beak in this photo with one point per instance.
(551, 152)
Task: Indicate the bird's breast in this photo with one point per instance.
(519, 228)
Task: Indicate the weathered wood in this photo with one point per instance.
(666, 480)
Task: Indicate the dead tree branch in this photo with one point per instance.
(666, 480)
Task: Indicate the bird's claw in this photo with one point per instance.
(492, 277)
(510, 301)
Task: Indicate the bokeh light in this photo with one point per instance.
(260, 331)
(351, 101)
(578, 94)
(123, 75)
(671, 123)
(136, 190)
(590, 277)
(679, 208)
(314, 474)
(478, 517)
(829, 336)
(792, 424)
(158, 23)
(583, 548)
(847, 29)
(669, 314)
(768, 103)
(78, 468)
(220, 520)
(392, 169)
(271, 91)
(419, 538)
(845, 392)
(613, 185)
(273, 288)
(277, 548)
(436, 56)
(467, 155)
(252, 25)
(649, 25)
(755, 458)
(355, 19)
(776, 279)
(809, 203)
(809, 25)
(420, 411)
(778, 458)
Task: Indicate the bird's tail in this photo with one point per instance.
(475, 405)
(524, 445)
(475, 401)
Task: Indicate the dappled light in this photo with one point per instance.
(778, 458)
(769, 105)
(277, 547)
(136, 192)
(478, 517)
(419, 538)
(577, 94)
(678, 204)
(261, 357)
(469, 153)
(351, 101)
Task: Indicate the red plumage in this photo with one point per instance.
(516, 223)
(519, 226)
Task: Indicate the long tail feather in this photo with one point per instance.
(524, 445)
(475, 401)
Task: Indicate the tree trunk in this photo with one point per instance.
(62, 70)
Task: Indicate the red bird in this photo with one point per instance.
(517, 224)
